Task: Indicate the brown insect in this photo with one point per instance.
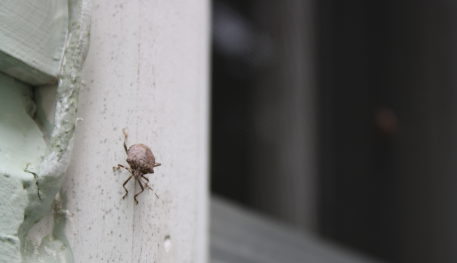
(141, 162)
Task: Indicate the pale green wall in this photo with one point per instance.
(21, 142)
(32, 38)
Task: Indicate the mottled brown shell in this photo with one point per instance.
(140, 157)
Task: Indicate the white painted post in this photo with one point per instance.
(147, 71)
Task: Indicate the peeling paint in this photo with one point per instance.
(24, 210)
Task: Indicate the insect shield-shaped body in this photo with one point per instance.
(141, 161)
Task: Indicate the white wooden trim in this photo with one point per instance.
(146, 71)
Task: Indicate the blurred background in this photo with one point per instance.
(340, 118)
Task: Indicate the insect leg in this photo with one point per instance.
(142, 189)
(126, 191)
(126, 135)
(145, 178)
(147, 181)
(36, 179)
(147, 185)
(119, 166)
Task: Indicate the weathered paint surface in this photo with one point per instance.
(32, 38)
(146, 71)
(32, 225)
(21, 143)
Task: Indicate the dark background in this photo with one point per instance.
(340, 118)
